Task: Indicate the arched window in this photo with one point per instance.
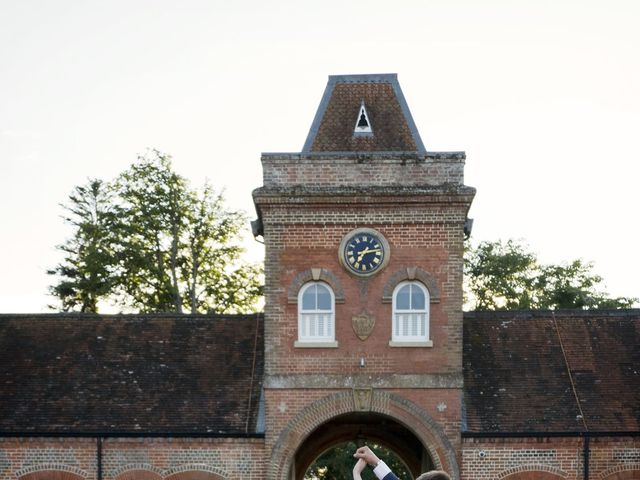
(410, 323)
(316, 314)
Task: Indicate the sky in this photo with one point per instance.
(544, 97)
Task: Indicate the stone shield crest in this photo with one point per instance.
(363, 325)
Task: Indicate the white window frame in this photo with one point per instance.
(307, 319)
(401, 319)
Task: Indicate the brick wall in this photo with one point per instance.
(303, 227)
(73, 458)
(610, 458)
(338, 171)
(128, 458)
(300, 239)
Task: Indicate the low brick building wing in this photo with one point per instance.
(552, 372)
(164, 374)
(537, 371)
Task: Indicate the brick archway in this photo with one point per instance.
(194, 475)
(533, 472)
(369, 428)
(533, 475)
(401, 410)
(315, 274)
(52, 472)
(138, 473)
(411, 273)
(182, 472)
(626, 472)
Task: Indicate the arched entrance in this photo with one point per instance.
(364, 428)
(387, 418)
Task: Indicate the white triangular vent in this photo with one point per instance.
(363, 125)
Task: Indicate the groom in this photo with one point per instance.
(383, 472)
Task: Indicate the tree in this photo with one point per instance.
(573, 285)
(215, 279)
(173, 248)
(178, 247)
(506, 276)
(500, 276)
(151, 218)
(87, 269)
(337, 463)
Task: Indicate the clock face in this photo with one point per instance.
(364, 252)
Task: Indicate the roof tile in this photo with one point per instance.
(167, 373)
(521, 370)
(390, 119)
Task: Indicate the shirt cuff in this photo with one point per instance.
(381, 470)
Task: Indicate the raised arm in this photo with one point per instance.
(380, 469)
(358, 468)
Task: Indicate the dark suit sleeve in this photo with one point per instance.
(390, 476)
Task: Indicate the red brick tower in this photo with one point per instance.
(364, 238)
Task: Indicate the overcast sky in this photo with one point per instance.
(542, 95)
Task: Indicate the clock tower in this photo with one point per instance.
(363, 234)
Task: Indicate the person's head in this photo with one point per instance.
(434, 475)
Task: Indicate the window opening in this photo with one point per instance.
(363, 125)
(410, 313)
(316, 315)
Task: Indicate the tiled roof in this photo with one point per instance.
(524, 372)
(392, 125)
(166, 373)
(542, 371)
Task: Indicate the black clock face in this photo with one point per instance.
(364, 252)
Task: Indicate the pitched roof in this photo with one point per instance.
(524, 372)
(165, 373)
(335, 126)
(543, 371)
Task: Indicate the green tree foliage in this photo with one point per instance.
(86, 271)
(337, 463)
(506, 276)
(173, 248)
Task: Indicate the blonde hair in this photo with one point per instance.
(434, 475)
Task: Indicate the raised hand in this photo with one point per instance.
(367, 455)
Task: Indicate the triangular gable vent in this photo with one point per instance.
(363, 125)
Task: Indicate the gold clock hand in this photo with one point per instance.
(362, 254)
(365, 251)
